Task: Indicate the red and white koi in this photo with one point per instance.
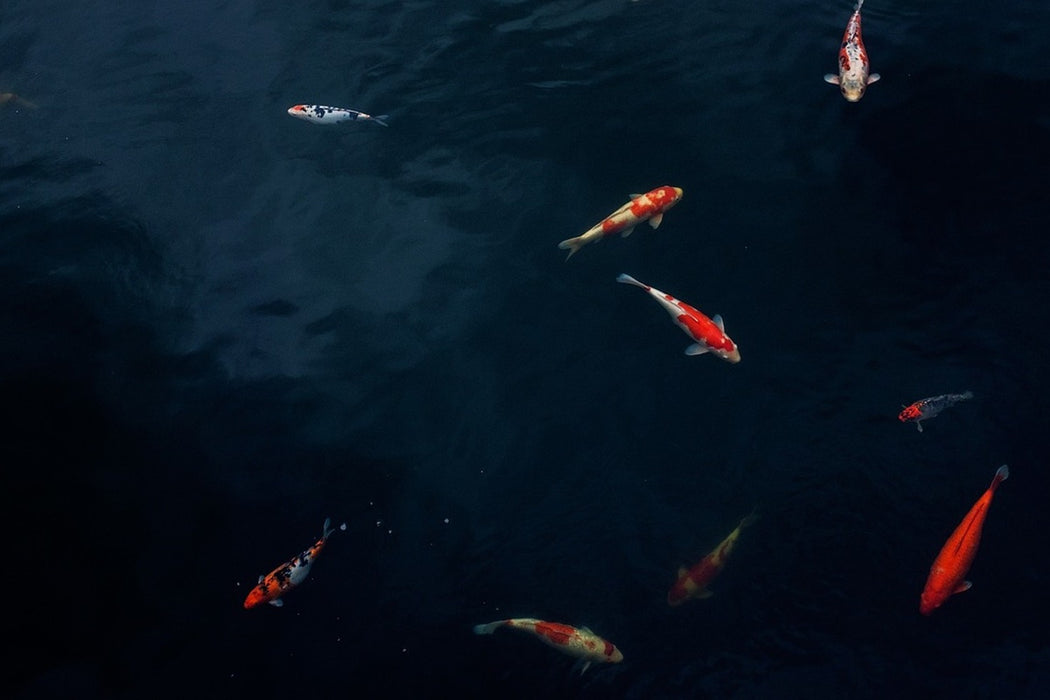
(642, 207)
(693, 582)
(948, 573)
(323, 114)
(709, 333)
(578, 642)
(854, 70)
(930, 407)
(288, 575)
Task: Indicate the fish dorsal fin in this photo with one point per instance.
(627, 232)
(696, 349)
(634, 195)
(717, 320)
(586, 630)
(654, 221)
(964, 586)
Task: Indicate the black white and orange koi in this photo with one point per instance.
(693, 582)
(854, 75)
(930, 407)
(709, 333)
(288, 575)
(642, 207)
(579, 642)
(323, 114)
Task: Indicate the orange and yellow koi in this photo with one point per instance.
(289, 574)
(694, 582)
(948, 573)
(642, 207)
(578, 642)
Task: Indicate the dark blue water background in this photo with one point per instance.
(221, 325)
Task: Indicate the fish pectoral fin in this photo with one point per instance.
(696, 349)
(918, 424)
(627, 232)
(277, 602)
(831, 78)
(717, 320)
(261, 577)
(873, 78)
(682, 571)
(655, 220)
(964, 586)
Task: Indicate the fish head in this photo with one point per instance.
(301, 112)
(616, 656)
(731, 356)
(928, 603)
(255, 598)
(853, 88)
(665, 197)
(909, 413)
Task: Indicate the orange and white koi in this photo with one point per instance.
(323, 114)
(948, 573)
(709, 333)
(930, 407)
(694, 582)
(642, 207)
(579, 642)
(10, 98)
(289, 574)
(854, 71)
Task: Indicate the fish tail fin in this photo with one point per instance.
(966, 394)
(860, 3)
(1001, 474)
(751, 518)
(488, 627)
(326, 529)
(623, 278)
(572, 245)
(381, 119)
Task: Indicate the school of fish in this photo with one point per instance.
(948, 573)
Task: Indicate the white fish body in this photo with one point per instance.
(323, 114)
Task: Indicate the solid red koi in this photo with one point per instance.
(948, 573)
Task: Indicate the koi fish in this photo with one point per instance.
(289, 574)
(321, 114)
(930, 407)
(579, 642)
(693, 582)
(642, 207)
(11, 98)
(853, 78)
(948, 573)
(709, 333)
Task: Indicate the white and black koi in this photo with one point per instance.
(323, 114)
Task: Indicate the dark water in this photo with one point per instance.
(221, 325)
